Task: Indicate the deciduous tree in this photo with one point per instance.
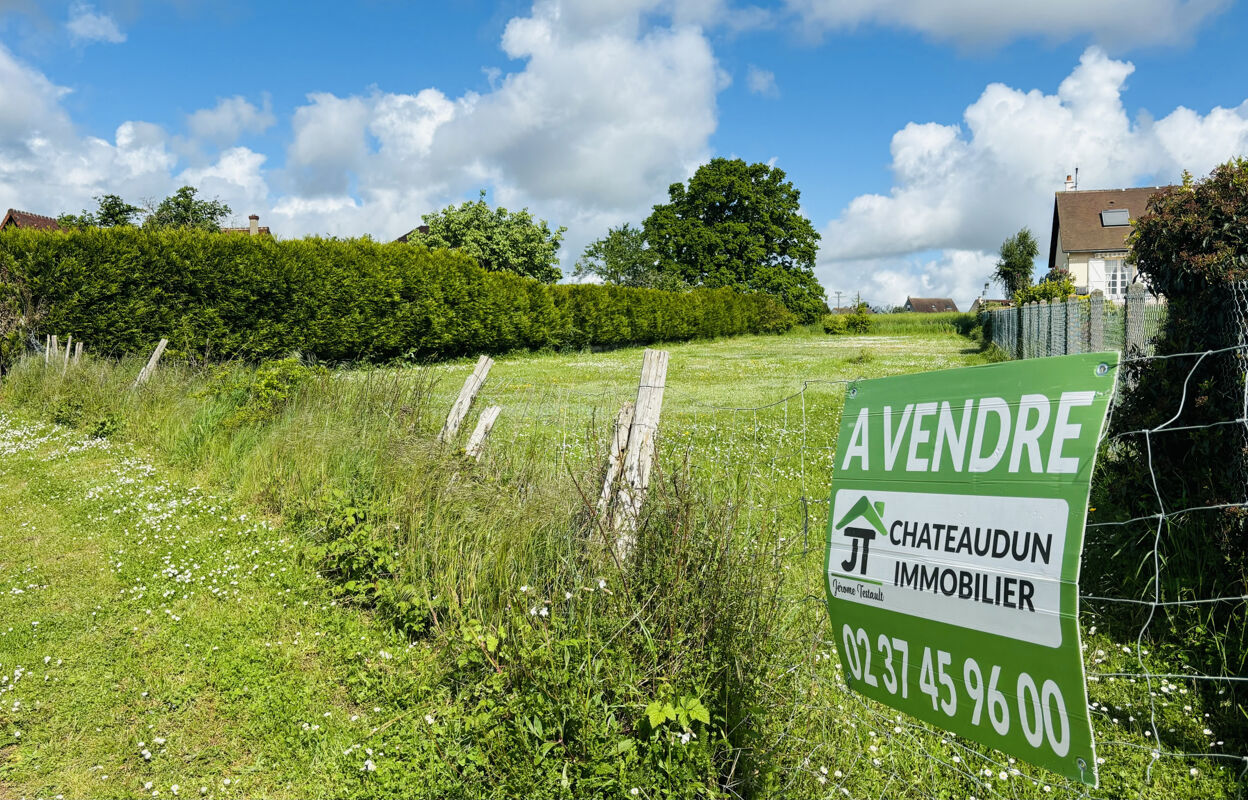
(182, 210)
(739, 225)
(1017, 262)
(498, 239)
(622, 258)
(110, 212)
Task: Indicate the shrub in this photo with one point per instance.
(1050, 289)
(1189, 245)
(216, 297)
(858, 321)
(834, 324)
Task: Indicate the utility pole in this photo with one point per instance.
(838, 301)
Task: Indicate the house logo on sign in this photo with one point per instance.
(860, 537)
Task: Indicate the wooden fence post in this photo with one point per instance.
(147, 371)
(55, 348)
(639, 456)
(476, 443)
(615, 459)
(69, 346)
(78, 352)
(47, 349)
(464, 402)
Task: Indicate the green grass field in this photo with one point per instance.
(345, 609)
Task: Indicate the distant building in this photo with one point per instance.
(25, 219)
(981, 304)
(1090, 230)
(930, 305)
(407, 237)
(253, 229)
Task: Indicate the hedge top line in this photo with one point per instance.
(220, 297)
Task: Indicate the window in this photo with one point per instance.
(1115, 217)
(1117, 277)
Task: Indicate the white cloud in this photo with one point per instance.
(235, 177)
(1114, 23)
(961, 189)
(85, 25)
(231, 118)
(761, 81)
(603, 114)
(603, 107)
(959, 274)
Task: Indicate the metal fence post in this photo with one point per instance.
(1024, 332)
(1073, 332)
(1134, 339)
(1047, 320)
(1060, 346)
(1096, 322)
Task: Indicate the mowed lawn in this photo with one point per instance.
(157, 642)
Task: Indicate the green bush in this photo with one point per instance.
(1059, 288)
(219, 297)
(834, 324)
(859, 321)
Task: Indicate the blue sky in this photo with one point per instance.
(920, 133)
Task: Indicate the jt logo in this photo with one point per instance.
(863, 535)
(871, 513)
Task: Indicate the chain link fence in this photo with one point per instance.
(1078, 325)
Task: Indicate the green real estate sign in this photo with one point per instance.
(956, 528)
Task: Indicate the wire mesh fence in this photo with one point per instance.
(1078, 325)
(1164, 649)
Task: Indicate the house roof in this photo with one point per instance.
(931, 304)
(407, 237)
(25, 219)
(263, 230)
(1078, 216)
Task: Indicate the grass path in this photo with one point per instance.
(150, 637)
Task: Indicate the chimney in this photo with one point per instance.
(255, 224)
(1070, 184)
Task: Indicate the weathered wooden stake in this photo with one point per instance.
(147, 371)
(639, 457)
(55, 348)
(476, 442)
(615, 459)
(77, 352)
(47, 349)
(464, 401)
(69, 346)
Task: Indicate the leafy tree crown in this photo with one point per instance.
(499, 240)
(739, 225)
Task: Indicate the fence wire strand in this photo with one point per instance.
(777, 457)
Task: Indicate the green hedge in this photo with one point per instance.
(226, 296)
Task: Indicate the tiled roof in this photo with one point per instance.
(1077, 215)
(25, 219)
(263, 230)
(931, 304)
(407, 237)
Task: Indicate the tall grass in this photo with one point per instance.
(561, 672)
(902, 324)
(439, 545)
